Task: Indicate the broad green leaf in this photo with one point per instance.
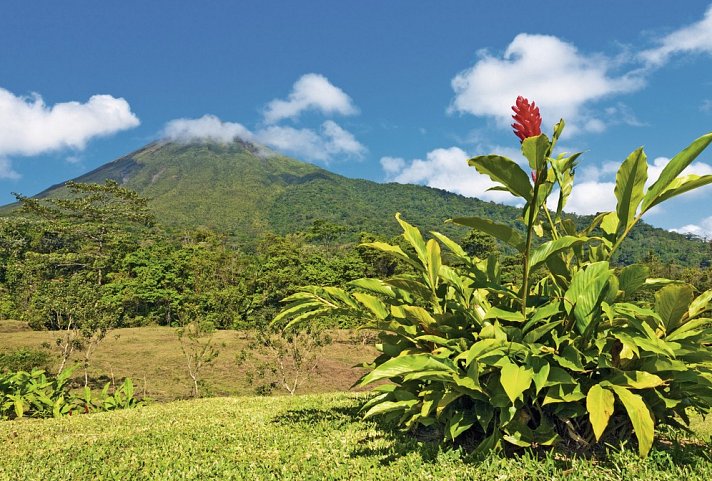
(541, 376)
(630, 182)
(515, 380)
(585, 293)
(671, 303)
(393, 250)
(390, 406)
(497, 313)
(454, 247)
(599, 402)
(373, 304)
(609, 223)
(399, 366)
(535, 149)
(419, 315)
(700, 304)
(376, 286)
(640, 417)
(632, 278)
(297, 309)
(506, 172)
(414, 238)
(636, 379)
(460, 422)
(433, 262)
(502, 232)
(480, 348)
(541, 253)
(673, 168)
(682, 185)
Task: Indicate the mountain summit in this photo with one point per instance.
(245, 190)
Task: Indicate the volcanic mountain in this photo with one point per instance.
(245, 190)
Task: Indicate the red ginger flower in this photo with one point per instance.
(527, 120)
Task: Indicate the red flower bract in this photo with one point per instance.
(527, 121)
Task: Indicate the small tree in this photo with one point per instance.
(196, 344)
(284, 359)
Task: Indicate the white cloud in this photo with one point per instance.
(694, 38)
(703, 229)
(310, 92)
(561, 80)
(331, 141)
(6, 170)
(444, 169)
(30, 127)
(392, 165)
(207, 127)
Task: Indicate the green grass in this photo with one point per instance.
(313, 437)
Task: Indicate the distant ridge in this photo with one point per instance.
(245, 190)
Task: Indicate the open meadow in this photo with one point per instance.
(152, 358)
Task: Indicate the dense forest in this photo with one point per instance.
(99, 259)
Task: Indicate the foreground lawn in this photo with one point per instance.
(314, 437)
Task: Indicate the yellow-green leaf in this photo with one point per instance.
(515, 380)
(640, 417)
(599, 402)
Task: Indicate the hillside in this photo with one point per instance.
(245, 190)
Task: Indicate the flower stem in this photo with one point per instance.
(527, 248)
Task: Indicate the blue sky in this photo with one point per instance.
(390, 91)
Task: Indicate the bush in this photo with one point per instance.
(567, 353)
(25, 359)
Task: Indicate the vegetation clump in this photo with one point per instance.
(572, 351)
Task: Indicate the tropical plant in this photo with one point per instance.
(569, 353)
(39, 395)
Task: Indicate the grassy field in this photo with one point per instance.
(151, 356)
(312, 437)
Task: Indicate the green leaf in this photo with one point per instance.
(541, 253)
(394, 251)
(671, 303)
(535, 149)
(636, 379)
(515, 380)
(373, 304)
(599, 402)
(506, 172)
(632, 278)
(682, 185)
(640, 417)
(502, 232)
(454, 247)
(414, 238)
(700, 304)
(390, 406)
(630, 182)
(460, 422)
(497, 313)
(399, 366)
(433, 262)
(676, 165)
(585, 293)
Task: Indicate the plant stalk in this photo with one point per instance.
(530, 227)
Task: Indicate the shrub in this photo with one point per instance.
(567, 353)
(25, 359)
